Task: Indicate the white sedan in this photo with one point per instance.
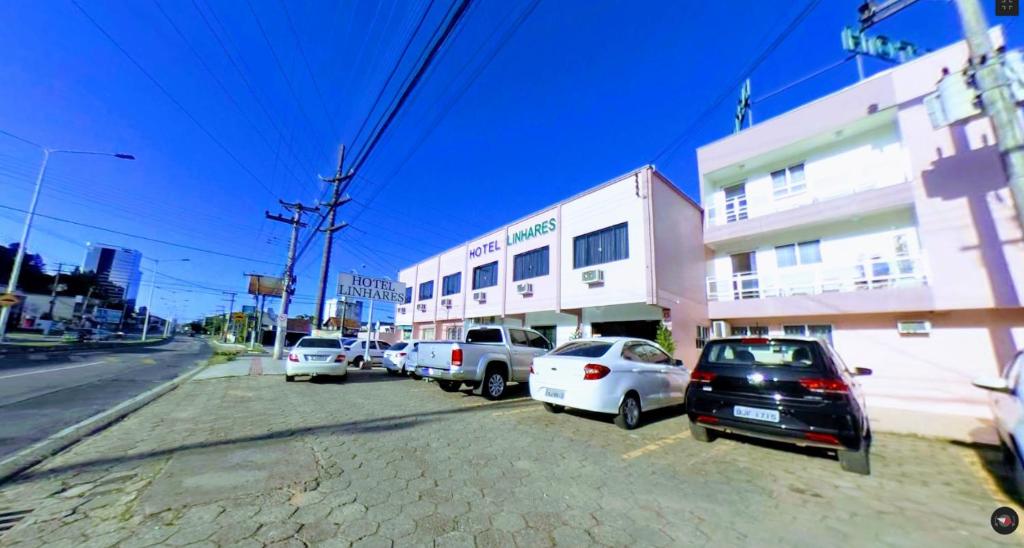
(615, 375)
(396, 358)
(314, 356)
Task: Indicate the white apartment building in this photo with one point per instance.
(617, 259)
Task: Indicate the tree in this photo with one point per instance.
(664, 339)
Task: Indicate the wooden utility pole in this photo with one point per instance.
(54, 289)
(336, 201)
(296, 209)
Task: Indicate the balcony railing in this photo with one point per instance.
(903, 271)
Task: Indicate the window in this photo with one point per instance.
(750, 331)
(484, 336)
(789, 181)
(451, 284)
(583, 349)
(773, 353)
(798, 254)
(823, 332)
(319, 343)
(650, 354)
(518, 337)
(427, 290)
(381, 345)
(408, 294)
(736, 203)
(400, 346)
(602, 246)
(453, 333)
(485, 275)
(703, 334)
(530, 264)
(427, 334)
(538, 341)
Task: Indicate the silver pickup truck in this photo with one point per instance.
(489, 358)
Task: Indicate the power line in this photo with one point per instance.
(305, 61)
(803, 79)
(701, 118)
(22, 139)
(173, 100)
(136, 236)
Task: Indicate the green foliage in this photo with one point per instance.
(664, 339)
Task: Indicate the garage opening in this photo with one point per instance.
(641, 329)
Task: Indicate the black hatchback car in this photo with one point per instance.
(792, 389)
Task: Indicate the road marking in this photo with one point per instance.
(655, 445)
(49, 369)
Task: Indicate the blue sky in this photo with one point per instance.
(583, 91)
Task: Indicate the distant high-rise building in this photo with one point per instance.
(117, 268)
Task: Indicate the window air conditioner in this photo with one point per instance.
(401, 310)
(593, 276)
(480, 296)
(446, 302)
(719, 329)
(524, 289)
(421, 307)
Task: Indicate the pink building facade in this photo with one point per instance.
(852, 218)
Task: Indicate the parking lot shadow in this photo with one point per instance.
(998, 465)
(817, 452)
(646, 419)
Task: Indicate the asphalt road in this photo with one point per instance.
(40, 396)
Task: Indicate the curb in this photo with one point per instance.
(15, 350)
(31, 456)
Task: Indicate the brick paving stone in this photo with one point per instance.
(319, 531)
(455, 539)
(273, 532)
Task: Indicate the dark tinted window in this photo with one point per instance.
(383, 345)
(584, 349)
(518, 337)
(399, 346)
(530, 264)
(427, 290)
(408, 294)
(451, 284)
(485, 275)
(319, 343)
(601, 246)
(484, 336)
(537, 340)
(770, 353)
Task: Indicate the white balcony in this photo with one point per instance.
(817, 279)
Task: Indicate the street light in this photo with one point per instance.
(152, 286)
(12, 281)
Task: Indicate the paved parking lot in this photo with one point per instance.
(381, 461)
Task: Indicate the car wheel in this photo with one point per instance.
(856, 461)
(357, 362)
(391, 372)
(701, 433)
(495, 384)
(552, 408)
(629, 412)
(289, 378)
(449, 386)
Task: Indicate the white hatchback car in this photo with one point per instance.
(357, 349)
(1007, 401)
(615, 375)
(396, 358)
(315, 356)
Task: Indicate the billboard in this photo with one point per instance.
(265, 285)
(374, 289)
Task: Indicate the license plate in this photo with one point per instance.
(557, 394)
(426, 370)
(320, 357)
(766, 415)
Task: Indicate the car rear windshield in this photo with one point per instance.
(319, 343)
(399, 346)
(483, 336)
(761, 353)
(583, 349)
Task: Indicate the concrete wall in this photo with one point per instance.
(451, 262)
(545, 288)
(405, 313)
(426, 310)
(482, 251)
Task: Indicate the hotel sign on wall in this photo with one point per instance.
(532, 231)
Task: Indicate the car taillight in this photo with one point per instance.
(825, 386)
(531, 369)
(754, 340)
(707, 420)
(340, 358)
(401, 354)
(456, 356)
(821, 438)
(595, 371)
(293, 357)
(702, 376)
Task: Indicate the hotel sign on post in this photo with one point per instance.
(374, 289)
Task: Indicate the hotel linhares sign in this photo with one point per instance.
(516, 237)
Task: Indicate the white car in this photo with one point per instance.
(357, 349)
(396, 358)
(1006, 392)
(615, 375)
(315, 356)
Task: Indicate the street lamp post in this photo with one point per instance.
(152, 286)
(12, 281)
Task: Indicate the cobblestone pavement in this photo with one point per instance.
(384, 461)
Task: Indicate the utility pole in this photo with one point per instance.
(336, 201)
(296, 209)
(996, 98)
(53, 292)
(231, 310)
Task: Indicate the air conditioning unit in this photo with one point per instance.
(480, 296)
(421, 307)
(719, 329)
(593, 276)
(524, 289)
(401, 310)
(914, 327)
(446, 303)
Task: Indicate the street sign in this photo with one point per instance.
(248, 309)
(238, 316)
(374, 289)
(9, 299)
(882, 47)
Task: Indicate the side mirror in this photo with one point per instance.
(679, 363)
(995, 384)
(861, 371)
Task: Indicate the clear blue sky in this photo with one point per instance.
(584, 91)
